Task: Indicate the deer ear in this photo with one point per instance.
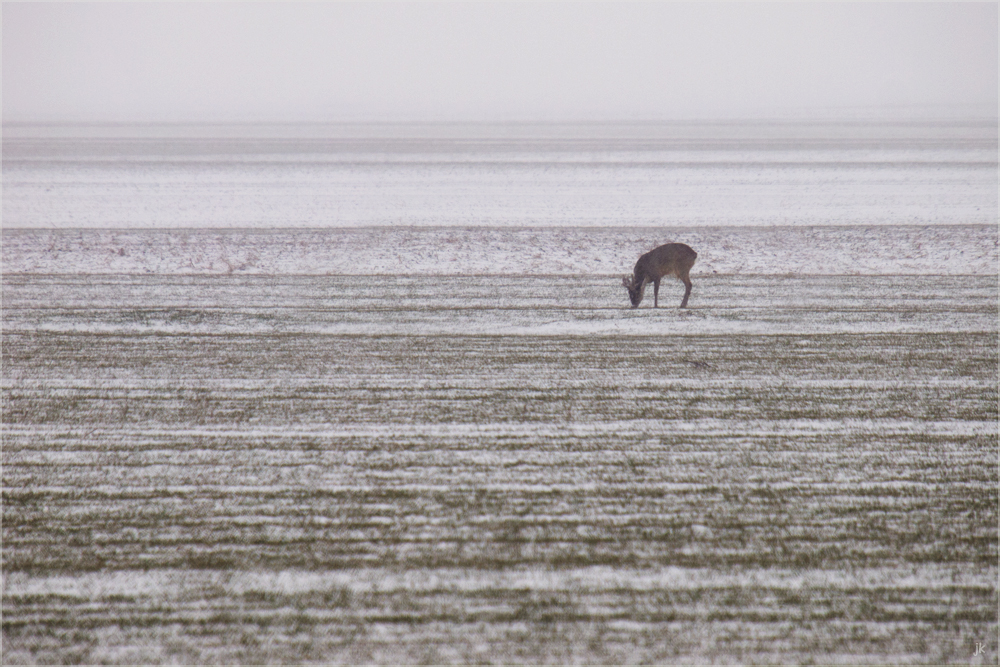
(626, 282)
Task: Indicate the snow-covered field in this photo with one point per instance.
(846, 250)
(507, 175)
(458, 444)
(495, 305)
(223, 468)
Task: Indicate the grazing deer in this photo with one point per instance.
(671, 259)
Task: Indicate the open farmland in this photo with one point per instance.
(507, 468)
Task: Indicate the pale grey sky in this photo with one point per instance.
(482, 61)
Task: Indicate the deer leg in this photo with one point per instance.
(656, 293)
(687, 291)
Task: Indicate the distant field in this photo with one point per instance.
(499, 469)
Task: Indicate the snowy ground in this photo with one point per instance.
(505, 468)
(371, 393)
(845, 250)
(494, 305)
(678, 174)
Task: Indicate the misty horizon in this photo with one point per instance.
(489, 62)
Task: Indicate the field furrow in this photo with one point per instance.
(456, 472)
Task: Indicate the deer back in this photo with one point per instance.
(670, 259)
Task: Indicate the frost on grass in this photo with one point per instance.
(845, 250)
(386, 469)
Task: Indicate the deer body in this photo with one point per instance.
(672, 259)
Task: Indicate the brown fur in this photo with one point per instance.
(674, 259)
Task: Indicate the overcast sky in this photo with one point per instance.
(481, 61)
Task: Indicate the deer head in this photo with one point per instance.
(634, 291)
